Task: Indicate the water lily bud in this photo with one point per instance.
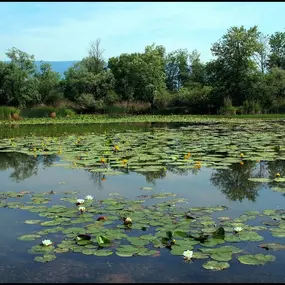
(127, 220)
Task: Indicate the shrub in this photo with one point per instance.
(45, 111)
(250, 107)
(6, 112)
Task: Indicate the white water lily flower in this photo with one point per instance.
(188, 254)
(80, 201)
(89, 197)
(238, 229)
(46, 242)
(81, 209)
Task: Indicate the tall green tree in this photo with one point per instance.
(87, 82)
(139, 76)
(231, 70)
(177, 69)
(3, 73)
(261, 56)
(277, 50)
(49, 85)
(20, 83)
(197, 70)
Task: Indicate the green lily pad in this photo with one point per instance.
(215, 265)
(222, 256)
(272, 246)
(177, 250)
(50, 223)
(28, 237)
(45, 258)
(88, 251)
(147, 252)
(212, 242)
(61, 250)
(146, 188)
(261, 180)
(102, 252)
(33, 222)
(39, 249)
(249, 236)
(200, 255)
(223, 249)
(257, 259)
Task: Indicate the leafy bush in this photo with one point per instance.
(44, 111)
(250, 107)
(6, 112)
(162, 99)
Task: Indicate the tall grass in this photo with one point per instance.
(6, 112)
(44, 112)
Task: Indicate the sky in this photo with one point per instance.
(62, 31)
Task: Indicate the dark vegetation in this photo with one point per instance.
(246, 76)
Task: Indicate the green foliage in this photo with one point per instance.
(250, 107)
(230, 71)
(139, 76)
(248, 69)
(44, 112)
(277, 48)
(6, 112)
(126, 107)
(177, 71)
(20, 84)
(194, 99)
(49, 87)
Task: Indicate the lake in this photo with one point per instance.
(184, 186)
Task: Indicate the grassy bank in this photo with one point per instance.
(90, 119)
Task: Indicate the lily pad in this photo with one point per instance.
(272, 246)
(102, 252)
(45, 258)
(249, 236)
(33, 222)
(257, 259)
(215, 265)
(28, 237)
(222, 256)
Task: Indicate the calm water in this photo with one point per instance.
(207, 188)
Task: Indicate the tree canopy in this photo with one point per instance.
(246, 75)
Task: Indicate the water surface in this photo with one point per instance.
(208, 187)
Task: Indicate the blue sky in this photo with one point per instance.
(62, 31)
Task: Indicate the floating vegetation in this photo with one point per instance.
(257, 259)
(191, 238)
(127, 228)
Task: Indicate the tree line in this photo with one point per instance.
(246, 75)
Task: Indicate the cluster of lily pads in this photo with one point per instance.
(185, 148)
(91, 119)
(130, 228)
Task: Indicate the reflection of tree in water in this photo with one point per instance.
(98, 178)
(151, 176)
(48, 160)
(234, 183)
(24, 165)
(273, 167)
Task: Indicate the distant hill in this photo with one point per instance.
(58, 66)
